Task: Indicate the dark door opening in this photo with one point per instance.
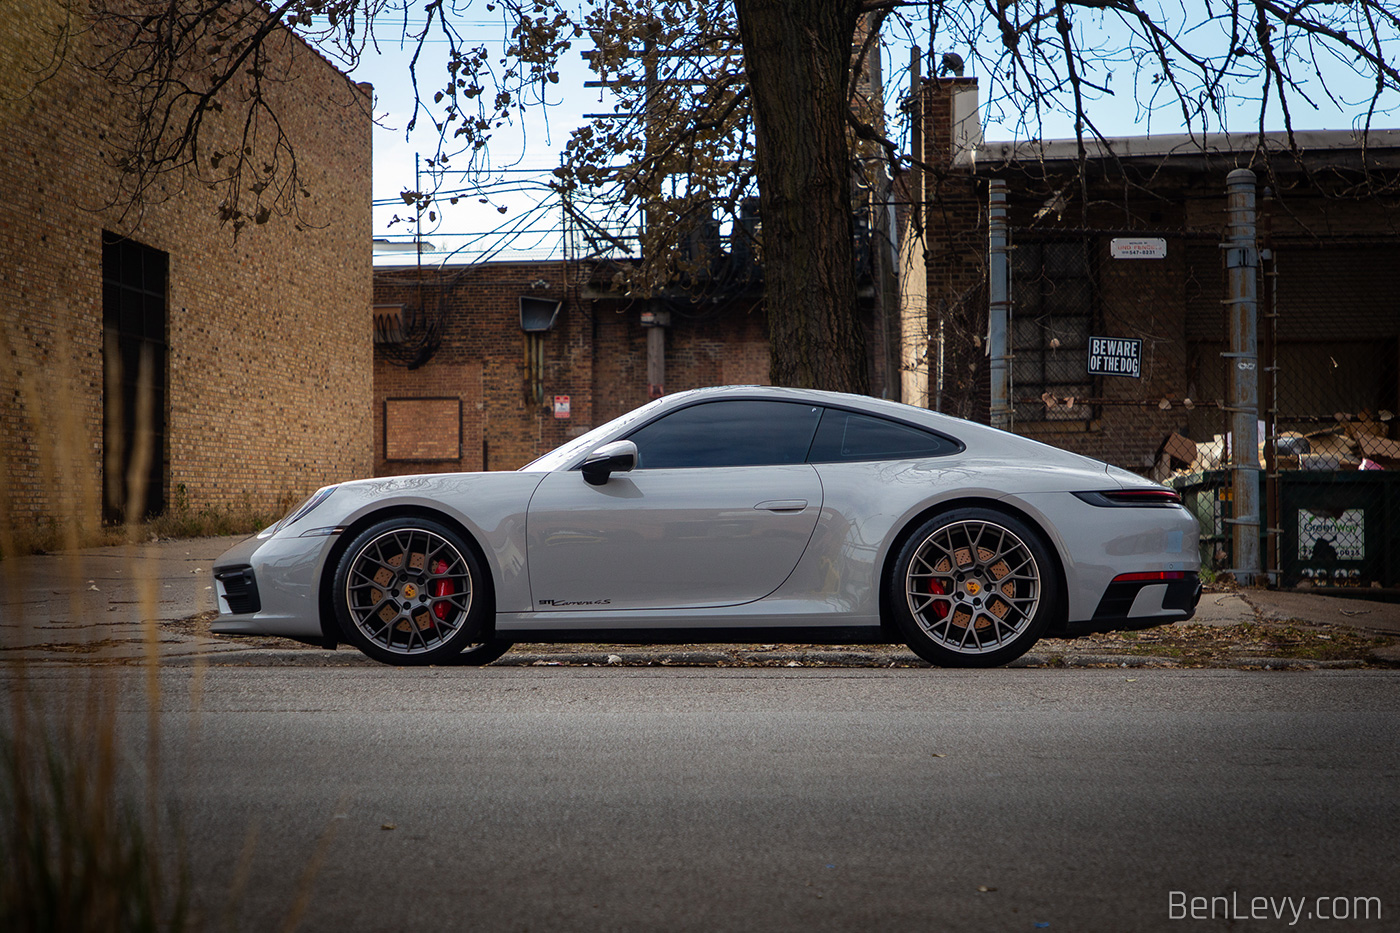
(134, 279)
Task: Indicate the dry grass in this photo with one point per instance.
(49, 536)
(1230, 645)
(83, 840)
(78, 854)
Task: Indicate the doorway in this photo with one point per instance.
(134, 321)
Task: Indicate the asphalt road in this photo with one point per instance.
(761, 799)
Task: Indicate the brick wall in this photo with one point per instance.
(955, 240)
(596, 354)
(726, 347)
(1182, 202)
(269, 353)
(482, 359)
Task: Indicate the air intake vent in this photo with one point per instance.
(239, 589)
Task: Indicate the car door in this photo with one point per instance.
(717, 512)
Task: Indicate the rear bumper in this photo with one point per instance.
(1138, 604)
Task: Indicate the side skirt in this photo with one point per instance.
(817, 635)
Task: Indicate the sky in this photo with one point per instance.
(526, 152)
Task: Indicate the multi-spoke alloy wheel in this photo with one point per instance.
(973, 588)
(409, 591)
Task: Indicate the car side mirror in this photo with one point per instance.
(617, 457)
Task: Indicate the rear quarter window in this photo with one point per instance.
(848, 436)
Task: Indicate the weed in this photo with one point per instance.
(79, 852)
(78, 855)
(45, 536)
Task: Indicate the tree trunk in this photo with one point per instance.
(797, 54)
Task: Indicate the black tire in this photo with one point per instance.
(409, 591)
(973, 587)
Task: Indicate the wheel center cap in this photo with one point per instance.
(973, 587)
(409, 591)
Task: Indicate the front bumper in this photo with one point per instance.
(269, 586)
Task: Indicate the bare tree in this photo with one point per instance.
(1242, 66)
(732, 100)
(747, 116)
(194, 84)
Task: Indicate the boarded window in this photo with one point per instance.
(423, 429)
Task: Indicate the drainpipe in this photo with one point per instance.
(655, 324)
(1242, 359)
(998, 305)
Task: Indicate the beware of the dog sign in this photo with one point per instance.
(1115, 356)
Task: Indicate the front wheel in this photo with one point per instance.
(973, 587)
(409, 591)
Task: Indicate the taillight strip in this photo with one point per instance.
(1129, 498)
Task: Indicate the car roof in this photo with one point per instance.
(983, 439)
(849, 400)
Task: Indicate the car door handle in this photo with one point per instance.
(782, 505)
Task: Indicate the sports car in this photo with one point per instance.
(731, 514)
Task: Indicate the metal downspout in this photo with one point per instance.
(998, 305)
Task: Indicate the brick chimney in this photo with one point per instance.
(952, 121)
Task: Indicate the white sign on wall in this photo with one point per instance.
(1146, 247)
(1115, 356)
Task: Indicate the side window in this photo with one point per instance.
(845, 435)
(723, 434)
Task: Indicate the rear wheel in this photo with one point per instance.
(409, 591)
(973, 587)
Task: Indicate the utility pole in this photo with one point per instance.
(1241, 270)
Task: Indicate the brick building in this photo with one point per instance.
(461, 384)
(255, 352)
(1328, 221)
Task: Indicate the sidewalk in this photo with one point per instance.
(96, 605)
(93, 604)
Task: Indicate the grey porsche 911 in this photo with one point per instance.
(733, 514)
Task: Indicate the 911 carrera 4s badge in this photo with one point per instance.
(575, 602)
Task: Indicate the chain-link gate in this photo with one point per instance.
(1331, 338)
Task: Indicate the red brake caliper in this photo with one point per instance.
(441, 588)
(940, 607)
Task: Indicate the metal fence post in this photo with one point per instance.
(1241, 268)
(998, 305)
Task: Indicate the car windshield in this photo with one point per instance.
(563, 455)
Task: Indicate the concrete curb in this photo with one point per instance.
(86, 607)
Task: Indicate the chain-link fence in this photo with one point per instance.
(1121, 349)
(1330, 345)
(1103, 360)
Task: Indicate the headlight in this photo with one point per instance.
(305, 508)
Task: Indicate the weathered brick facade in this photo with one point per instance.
(507, 381)
(267, 382)
(1174, 192)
